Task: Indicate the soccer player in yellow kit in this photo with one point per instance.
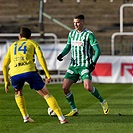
(19, 64)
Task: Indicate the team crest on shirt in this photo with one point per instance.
(83, 38)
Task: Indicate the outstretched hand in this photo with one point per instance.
(59, 57)
(92, 67)
(48, 80)
(6, 87)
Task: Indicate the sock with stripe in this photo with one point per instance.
(97, 94)
(70, 99)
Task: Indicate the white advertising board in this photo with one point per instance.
(109, 69)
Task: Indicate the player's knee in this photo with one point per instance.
(65, 89)
(64, 86)
(18, 92)
(88, 88)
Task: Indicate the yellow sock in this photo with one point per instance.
(20, 100)
(51, 101)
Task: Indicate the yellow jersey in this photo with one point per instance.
(20, 58)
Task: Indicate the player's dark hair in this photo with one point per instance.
(25, 32)
(80, 17)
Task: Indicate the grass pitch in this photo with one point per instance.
(90, 119)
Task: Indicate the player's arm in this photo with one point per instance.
(5, 72)
(97, 52)
(95, 46)
(65, 50)
(42, 61)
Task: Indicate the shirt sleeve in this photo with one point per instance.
(42, 61)
(93, 40)
(5, 68)
(97, 53)
(67, 47)
(95, 46)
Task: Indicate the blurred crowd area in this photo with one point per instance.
(102, 17)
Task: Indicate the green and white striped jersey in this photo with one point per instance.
(80, 44)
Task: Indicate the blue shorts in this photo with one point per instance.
(32, 78)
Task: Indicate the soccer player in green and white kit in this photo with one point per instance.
(82, 43)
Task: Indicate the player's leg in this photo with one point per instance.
(53, 104)
(21, 103)
(70, 78)
(69, 97)
(18, 82)
(36, 82)
(88, 86)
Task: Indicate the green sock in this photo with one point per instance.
(70, 100)
(97, 94)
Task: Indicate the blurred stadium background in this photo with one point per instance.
(54, 19)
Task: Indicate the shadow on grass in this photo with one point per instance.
(110, 118)
(92, 118)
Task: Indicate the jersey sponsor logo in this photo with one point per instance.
(103, 69)
(77, 43)
(21, 64)
(18, 58)
(126, 68)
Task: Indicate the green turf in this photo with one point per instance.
(90, 120)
